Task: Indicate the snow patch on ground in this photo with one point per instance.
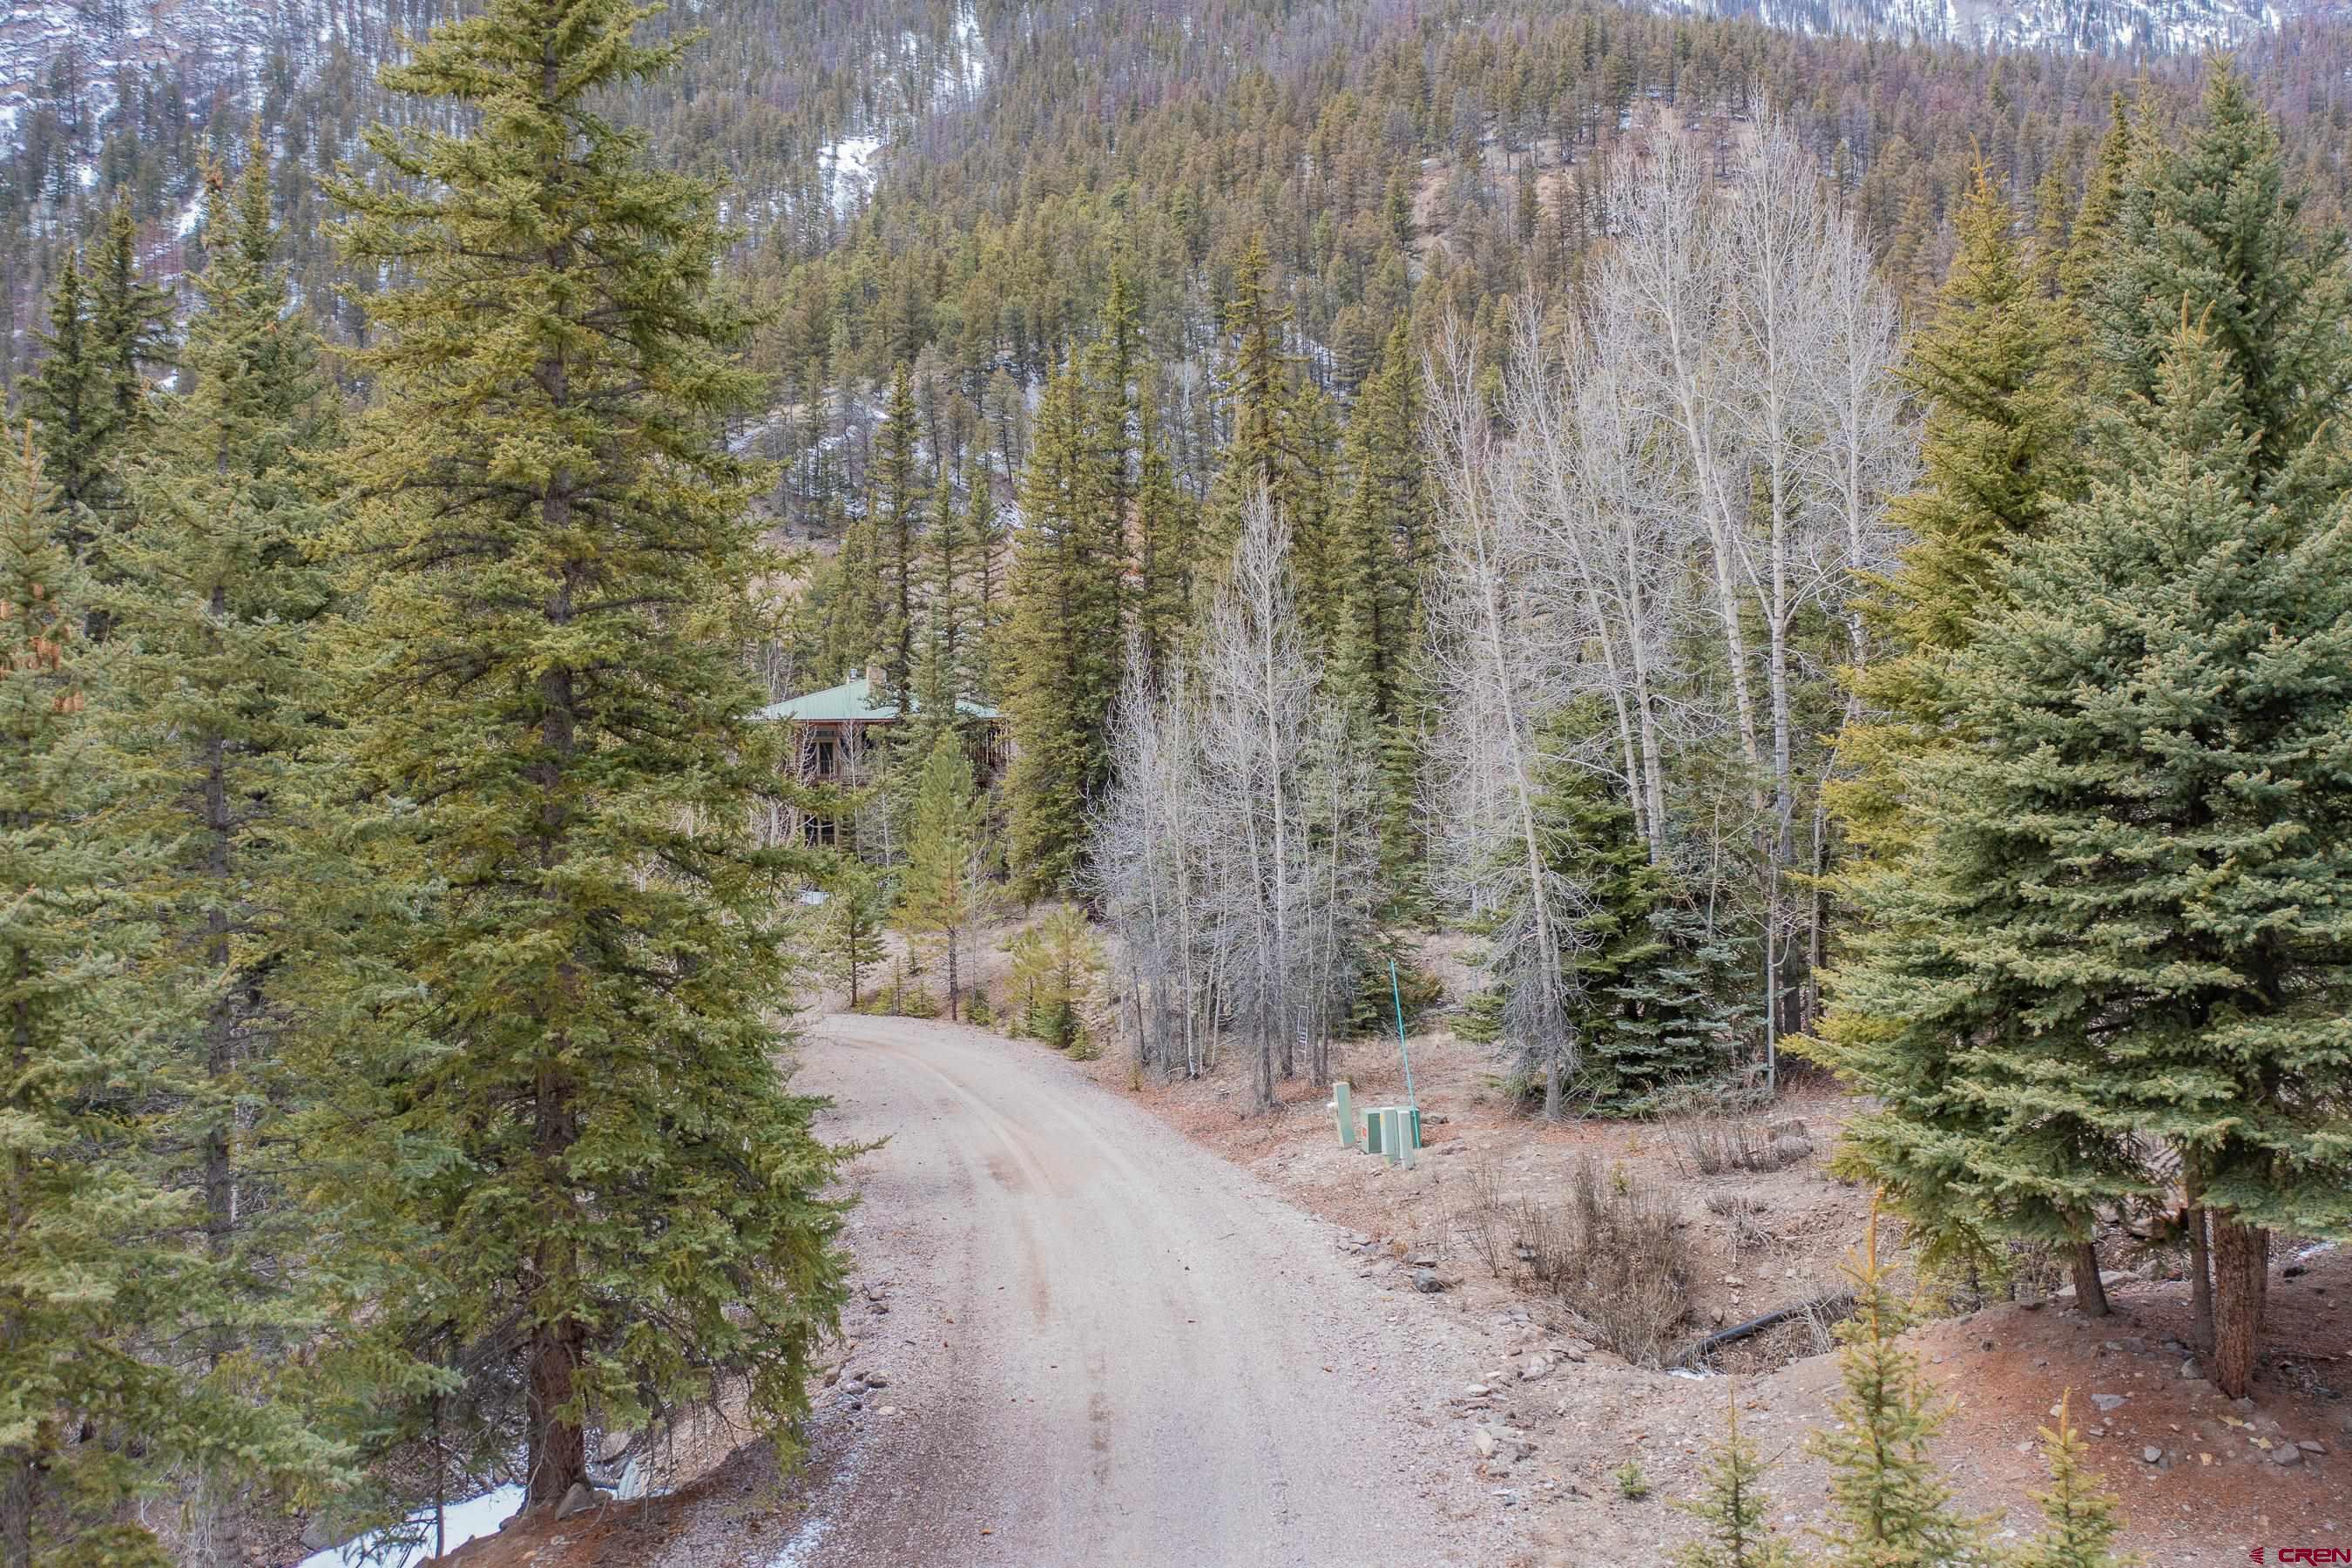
(801, 1549)
(465, 1521)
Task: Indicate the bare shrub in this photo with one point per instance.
(1712, 1145)
(1480, 1215)
(1823, 1315)
(1611, 1249)
(1545, 1240)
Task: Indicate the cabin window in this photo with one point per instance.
(825, 761)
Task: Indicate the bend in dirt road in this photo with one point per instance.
(1101, 1345)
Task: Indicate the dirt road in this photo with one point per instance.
(1100, 1345)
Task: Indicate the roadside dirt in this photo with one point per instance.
(2214, 1490)
(1099, 1342)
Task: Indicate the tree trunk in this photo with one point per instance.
(16, 1493)
(2241, 1260)
(559, 1442)
(2200, 1281)
(951, 976)
(2089, 1294)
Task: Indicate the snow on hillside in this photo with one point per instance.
(2081, 26)
(78, 48)
(849, 170)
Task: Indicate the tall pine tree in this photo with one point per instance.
(70, 400)
(2000, 455)
(2133, 907)
(95, 1274)
(894, 517)
(560, 1093)
(216, 708)
(1379, 548)
(2209, 233)
(1064, 640)
(938, 889)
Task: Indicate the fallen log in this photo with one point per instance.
(1832, 1306)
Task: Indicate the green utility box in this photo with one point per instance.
(1392, 1132)
(1343, 1106)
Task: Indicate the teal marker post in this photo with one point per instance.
(1412, 1105)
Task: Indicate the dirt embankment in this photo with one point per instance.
(2222, 1479)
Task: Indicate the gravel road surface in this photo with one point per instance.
(1097, 1343)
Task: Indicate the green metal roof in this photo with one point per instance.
(851, 702)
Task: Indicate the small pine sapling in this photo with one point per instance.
(2079, 1522)
(1889, 1505)
(1735, 1529)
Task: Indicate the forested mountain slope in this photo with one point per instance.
(952, 175)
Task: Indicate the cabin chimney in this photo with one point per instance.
(873, 681)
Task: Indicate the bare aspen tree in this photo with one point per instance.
(1589, 449)
(1681, 489)
(1667, 272)
(1257, 690)
(1490, 646)
(1236, 853)
(1148, 839)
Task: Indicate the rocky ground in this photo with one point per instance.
(1548, 1418)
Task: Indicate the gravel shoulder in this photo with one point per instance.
(1083, 1339)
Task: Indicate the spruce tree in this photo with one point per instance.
(2117, 923)
(1382, 535)
(1062, 643)
(1735, 1514)
(857, 620)
(2209, 233)
(947, 641)
(2133, 906)
(2079, 1523)
(1647, 980)
(87, 400)
(94, 1273)
(1114, 370)
(856, 908)
(1889, 1506)
(556, 1090)
(129, 320)
(214, 710)
(987, 537)
(938, 890)
(2083, 268)
(70, 401)
(1260, 452)
(1165, 524)
(1308, 503)
(894, 517)
(1999, 451)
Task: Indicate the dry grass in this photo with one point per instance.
(1747, 1232)
(1713, 1145)
(1609, 1245)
